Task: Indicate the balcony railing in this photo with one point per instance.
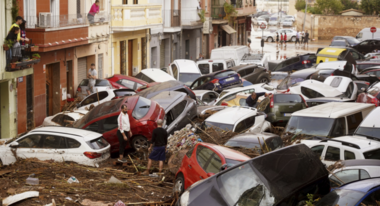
(172, 18)
(136, 15)
(217, 12)
(48, 20)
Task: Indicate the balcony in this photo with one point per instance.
(190, 18)
(135, 17)
(172, 18)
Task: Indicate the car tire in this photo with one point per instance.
(293, 39)
(140, 142)
(270, 39)
(179, 184)
(264, 80)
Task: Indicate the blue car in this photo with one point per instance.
(218, 81)
(359, 193)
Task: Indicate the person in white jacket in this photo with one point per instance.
(123, 132)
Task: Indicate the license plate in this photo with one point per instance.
(287, 114)
(230, 79)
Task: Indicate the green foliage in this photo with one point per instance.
(329, 6)
(15, 9)
(370, 7)
(229, 9)
(349, 4)
(201, 15)
(300, 5)
(36, 55)
(9, 43)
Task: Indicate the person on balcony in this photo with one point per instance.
(23, 38)
(94, 10)
(19, 21)
(16, 49)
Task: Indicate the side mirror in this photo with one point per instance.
(210, 174)
(223, 167)
(14, 144)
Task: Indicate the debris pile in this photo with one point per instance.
(182, 139)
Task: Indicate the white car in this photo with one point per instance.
(258, 59)
(344, 84)
(273, 21)
(154, 75)
(239, 119)
(344, 148)
(312, 89)
(290, 34)
(206, 96)
(287, 22)
(231, 93)
(354, 170)
(101, 97)
(100, 85)
(62, 119)
(337, 65)
(59, 144)
(292, 18)
(208, 66)
(184, 70)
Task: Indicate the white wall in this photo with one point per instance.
(189, 11)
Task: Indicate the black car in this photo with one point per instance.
(171, 85)
(296, 77)
(282, 177)
(339, 43)
(322, 74)
(256, 141)
(295, 63)
(322, 100)
(352, 41)
(218, 81)
(252, 73)
(363, 66)
(368, 46)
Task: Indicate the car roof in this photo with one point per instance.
(361, 162)
(320, 87)
(187, 66)
(304, 72)
(329, 99)
(332, 109)
(363, 143)
(362, 185)
(201, 92)
(335, 64)
(217, 72)
(74, 132)
(167, 99)
(252, 137)
(227, 152)
(120, 76)
(372, 119)
(238, 89)
(157, 74)
(234, 114)
(75, 115)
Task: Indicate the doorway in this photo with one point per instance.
(29, 103)
(130, 57)
(187, 49)
(69, 78)
(123, 56)
(53, 99)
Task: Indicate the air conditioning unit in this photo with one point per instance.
(45, 19)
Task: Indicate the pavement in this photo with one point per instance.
(282, 52)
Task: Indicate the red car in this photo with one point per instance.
(371, 97)
(203, 161)
(143, 114)
(119, 81)
(146, 86)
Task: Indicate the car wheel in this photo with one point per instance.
(140, 142)
(293, 39)
(264, 80)
(179, 185)
(270, 39)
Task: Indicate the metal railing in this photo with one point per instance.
(48, 20)
(217, 12)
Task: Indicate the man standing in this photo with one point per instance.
(252, 100)
(92, 76)
(94, 10)
(124, 132)
(302, 37)
(19, 21)
(307, 38)
(285, 38)
(298, 38)
(159, 142)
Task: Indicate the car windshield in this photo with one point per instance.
(142, 108)
(98, 143)
(352, 40)
(340, 197)
(188, 78)
(241, 186)
(248, 145)
(371, 132)
(287, 98)
(289, 81)
(224, 74)
(100, 110)
(219, 126)
(314, 126)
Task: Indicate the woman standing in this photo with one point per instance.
(282, 39)
(277, 38)
(16, 49)
(94, 10)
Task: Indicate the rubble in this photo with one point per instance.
(16, 198)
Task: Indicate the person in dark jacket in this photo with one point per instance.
(16, 48)
(252, 100)
(159, 142)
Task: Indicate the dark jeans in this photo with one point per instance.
(90, 18)
(122, 142)
(297, 40)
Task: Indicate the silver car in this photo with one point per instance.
(290, 33)
(287, 22)
(179, 108)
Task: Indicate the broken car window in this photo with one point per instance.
(98, 143)
(31, 141)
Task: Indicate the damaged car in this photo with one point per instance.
(64, 119)
(282, 177)
(261, 142)
(171, 85)
(206, 96)
(58, 144)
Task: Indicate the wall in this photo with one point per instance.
(21, 107)
(43, 6)
(325, 27)
(191, 35)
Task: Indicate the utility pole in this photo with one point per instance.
(304, 18)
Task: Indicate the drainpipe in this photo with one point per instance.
(110, 34)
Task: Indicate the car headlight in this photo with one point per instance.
(185, 198)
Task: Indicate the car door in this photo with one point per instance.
(199, 164)
(53, 147)
(333, 154)
(250, 76)
(28, 146)
(371, 198)
(108, 127)
(319, 151)
(178, 117)
(73, 153)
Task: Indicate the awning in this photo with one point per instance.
(228, 29)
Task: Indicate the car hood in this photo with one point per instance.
(201, 110)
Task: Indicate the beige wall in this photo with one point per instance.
(325, 27)
(292, 8)
(352, 13)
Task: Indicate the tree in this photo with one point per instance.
(350, 4)
(300, 4)
(329, 6)
(370, 7)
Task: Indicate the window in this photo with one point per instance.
(318, 150)
(93, 98)
(53, 142)
(287, 98)
(355, 55)
(225, 74)
(374, 154)
(249, 122)
(249, 71)
(204, 68)
(217, 67)
(98, 143)
(336, 82)
(242, 73)
(31, 141)
(214, 165)
(190, 152)
(127, 83)
(349, 155)
(309, 93)
(72, 143)
(203, 155)
(372, 199)
(142, 108)
(144, 77)
(175, 71)
(176, 5)
(240, 127)
(339, 128)
(230, 64)
(353, 121)
(123, 93)
(93, 127)
(110, 123)
(364, 43)
(209, 97)
(332, 154)
(178, 109)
